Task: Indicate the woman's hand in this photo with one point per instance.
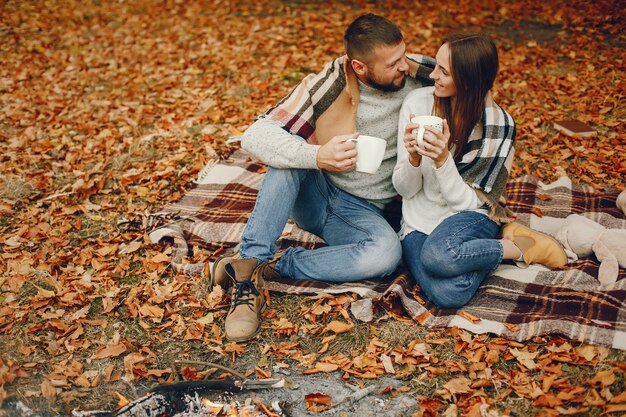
(410, 142)
(436, 144)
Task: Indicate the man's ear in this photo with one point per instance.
(359, 67)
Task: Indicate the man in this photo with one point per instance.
(305, 142)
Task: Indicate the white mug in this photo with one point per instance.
(433, 121)
(369, 153)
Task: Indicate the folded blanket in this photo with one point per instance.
(513, 302)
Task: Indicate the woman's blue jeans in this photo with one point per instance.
(452, 262)
(361, 243)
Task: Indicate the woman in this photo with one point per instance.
(451, 188)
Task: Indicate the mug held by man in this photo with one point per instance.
(433, 121)
(369, 153)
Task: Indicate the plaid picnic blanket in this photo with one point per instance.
(513, 302)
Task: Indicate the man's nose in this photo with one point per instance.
(404, 65)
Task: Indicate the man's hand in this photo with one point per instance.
(338, 154)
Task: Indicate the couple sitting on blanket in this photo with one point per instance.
(451, 188)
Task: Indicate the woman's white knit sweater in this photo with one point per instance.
(429, 194)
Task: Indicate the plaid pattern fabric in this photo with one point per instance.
(513, 302)
(488, 163)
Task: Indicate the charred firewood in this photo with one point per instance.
(166, 400)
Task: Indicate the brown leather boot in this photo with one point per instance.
(267, 272)
(243, 321)
(219, 276)
(536, 247)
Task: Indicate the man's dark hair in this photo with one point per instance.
(367, 32)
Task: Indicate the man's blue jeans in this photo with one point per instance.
(452, 262)
(361, 243)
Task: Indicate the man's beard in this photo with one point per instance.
(388, 88)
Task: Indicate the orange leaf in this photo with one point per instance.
(512, 327)
(547, 382)
(310, 371)
(194, 332)
(606, 109)
(612, 408)
(326, 367)
(160, 258)
(153, 311)
(131, 361)
(387, 364)
(431, 405)
(43, 293)
(338, 327)
(458, 385)
(208, 319)
(548, 401)
(587, 351)
(82, 381)
(110, 351)
(48, 390)
(325, 342)
(605, 378)
(320, 309)
(469, 316)
(317, 402)
(525, 358)
(121, 400)
(619, 398)
(25, 350)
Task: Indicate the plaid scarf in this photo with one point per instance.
(487, 163)
(485, 166)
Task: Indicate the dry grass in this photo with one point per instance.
(14, 187)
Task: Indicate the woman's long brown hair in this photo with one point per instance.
(474, 65)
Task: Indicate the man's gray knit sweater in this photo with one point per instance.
(377, 115)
